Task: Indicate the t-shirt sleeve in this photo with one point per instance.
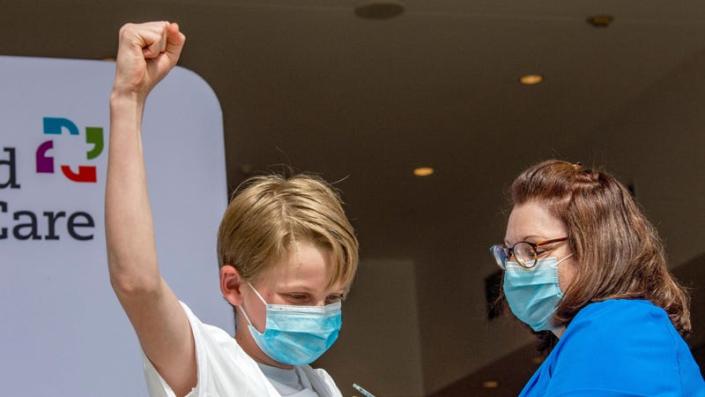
(157, 386)
(328, 381)
(624, 350)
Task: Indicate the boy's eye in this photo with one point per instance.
(297, 297)
(334, 298)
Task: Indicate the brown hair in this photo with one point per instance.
(269, 213)
(618, 251)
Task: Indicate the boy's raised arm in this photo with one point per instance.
(146, 53)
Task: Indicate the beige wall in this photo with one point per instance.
(379, 347)
(457, 338)
(658, 143)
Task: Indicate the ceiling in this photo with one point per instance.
(307, 84)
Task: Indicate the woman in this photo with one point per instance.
(287, 256)
(583, 262)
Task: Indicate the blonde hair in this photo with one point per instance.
(267, 214)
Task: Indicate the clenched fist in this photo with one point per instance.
(146, 53)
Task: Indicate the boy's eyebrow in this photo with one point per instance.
(305, 288)
(297, 287)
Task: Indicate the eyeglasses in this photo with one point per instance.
(525, 253)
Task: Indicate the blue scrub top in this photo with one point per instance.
(619, 348)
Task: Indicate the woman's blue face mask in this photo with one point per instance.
(533, 294)
(296, 335)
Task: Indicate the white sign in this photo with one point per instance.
(62, 331)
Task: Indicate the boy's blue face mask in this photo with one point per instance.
(533, 294)
(297, 335)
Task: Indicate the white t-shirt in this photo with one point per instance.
(289, 382)
(225, 370)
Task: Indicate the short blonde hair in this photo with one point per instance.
(269, 213)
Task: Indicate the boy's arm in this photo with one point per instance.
(146, 53)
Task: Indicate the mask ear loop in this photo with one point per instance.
(258, 295)
(558, 263)
(564, 258)
(242, 308)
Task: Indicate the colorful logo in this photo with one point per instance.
(58, 125)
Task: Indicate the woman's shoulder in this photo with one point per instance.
(611, 305)
(621, 328)
(622, 344)
(618, 316)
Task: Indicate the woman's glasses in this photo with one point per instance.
(525, 253)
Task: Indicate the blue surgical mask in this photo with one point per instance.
(533, 294)
(296, 335)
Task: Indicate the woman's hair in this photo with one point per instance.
(617, 250)
(267, 214)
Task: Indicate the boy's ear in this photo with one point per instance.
(231, 284)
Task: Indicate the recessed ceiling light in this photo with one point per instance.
(379, 9)
(423, 171)
(600, 21)
(490, 384)
(531, 79)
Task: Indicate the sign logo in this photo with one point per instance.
(32, 224)
(57, 126)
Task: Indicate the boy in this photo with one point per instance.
(287, 256)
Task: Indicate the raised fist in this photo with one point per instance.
(146, 53)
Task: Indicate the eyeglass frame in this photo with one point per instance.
(509, 251)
